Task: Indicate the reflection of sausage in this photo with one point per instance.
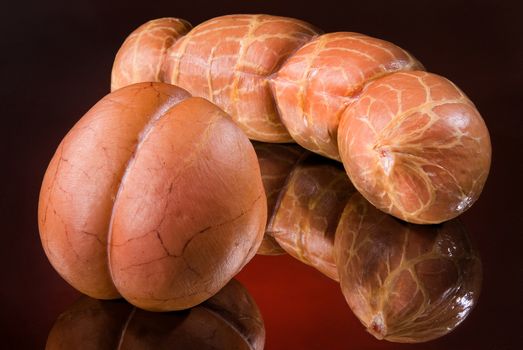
(166, 185)
(412, 143)
(308, 193)
(405, 282)
(276, 163)
(228, 320)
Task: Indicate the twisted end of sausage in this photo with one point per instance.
(416, 147)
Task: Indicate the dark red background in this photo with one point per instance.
(55, 63)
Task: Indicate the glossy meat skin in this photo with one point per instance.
(415, 146)
(149, 43)
(82, 181)
(132, 203)
(282, 80)
(227, 60)
(406, 283)
(305, 220)
(276, 163)
(228, 320)
(306, 195)
(319, 81)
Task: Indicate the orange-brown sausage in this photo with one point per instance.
(329, 92)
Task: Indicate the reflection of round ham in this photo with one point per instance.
(228, 320)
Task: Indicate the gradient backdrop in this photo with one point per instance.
(55, 63)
